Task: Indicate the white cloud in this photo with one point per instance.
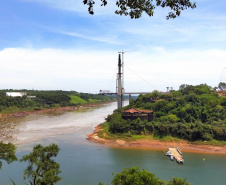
(105, 39)
(90, 71)
(44, 68)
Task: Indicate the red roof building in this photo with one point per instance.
(134, 113)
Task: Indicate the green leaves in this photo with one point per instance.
(192, 113)
(42, 169)
(7, 153)
(222, 86)
(178, 181)
(134, 176)
(135, 8)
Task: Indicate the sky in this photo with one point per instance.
(58, 45)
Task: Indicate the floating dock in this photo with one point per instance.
(176, 155)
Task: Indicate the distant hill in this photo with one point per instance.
(36, 100)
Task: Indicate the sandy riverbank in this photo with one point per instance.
(154, 144)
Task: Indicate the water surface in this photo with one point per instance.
(82, 163)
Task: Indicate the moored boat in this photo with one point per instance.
(179, 151)
(168, 153)
(180, 160)
(171, 158)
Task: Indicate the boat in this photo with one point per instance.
(180, 160)
(179, 151)
(168, 153)
(171, 158)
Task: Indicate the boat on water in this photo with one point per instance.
(171, 158)
(180, 160)
(179, 150)
(168, 153)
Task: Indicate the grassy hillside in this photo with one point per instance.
(77, 100)
(193, 113)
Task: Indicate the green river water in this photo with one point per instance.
(82, 163)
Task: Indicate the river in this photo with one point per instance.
(81, 161)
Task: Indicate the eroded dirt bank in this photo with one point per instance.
(154, 144)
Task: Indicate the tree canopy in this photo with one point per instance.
(47, 99)
(192, 113)
(222, 86)
(42, 169)
(135, 176)
(135, 8)
(7, 153)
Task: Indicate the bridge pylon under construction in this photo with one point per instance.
(120, 91)
(119, 84)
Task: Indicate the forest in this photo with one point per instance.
(193, 113)
(47, 100)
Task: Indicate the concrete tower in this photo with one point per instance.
(119, 87)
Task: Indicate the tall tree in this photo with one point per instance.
(222, 86)
(7, 153)
(135, 176)
(135, 8)
(178, 181)
(42, 169)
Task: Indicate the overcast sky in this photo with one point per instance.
(56, 44)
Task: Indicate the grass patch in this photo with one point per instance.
(13, 109)
(167, 139)
(107, 135)
(135, 137)
(212, 143)
(93, 100)
(10, 110)
(77, 100)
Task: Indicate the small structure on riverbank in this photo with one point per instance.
(134, 113)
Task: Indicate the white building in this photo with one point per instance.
(15, 94)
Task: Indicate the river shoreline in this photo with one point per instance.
(25, 113)
(154, 144)
(9, 122)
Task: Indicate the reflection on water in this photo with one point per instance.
(82, 163)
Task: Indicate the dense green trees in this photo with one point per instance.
(135, 176)
(42, 169)
(192, 113)
(7, 153)
(47, 99)
(135, 8)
